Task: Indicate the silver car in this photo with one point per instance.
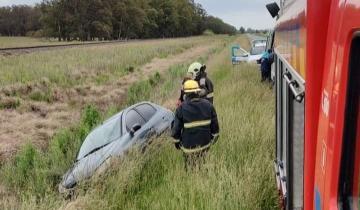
(134, 125)
(255, 54)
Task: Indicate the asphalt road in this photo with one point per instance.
(253, 37)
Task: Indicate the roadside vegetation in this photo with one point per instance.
(237, 175)
(74, 66)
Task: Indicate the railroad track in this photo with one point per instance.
(21, 50)
(25, 50)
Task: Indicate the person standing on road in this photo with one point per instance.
(197, 72)
(195, 127)
(266, 60)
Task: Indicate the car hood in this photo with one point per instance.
(86, 167)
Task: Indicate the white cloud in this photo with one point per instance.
(15, 2)
(246, 13)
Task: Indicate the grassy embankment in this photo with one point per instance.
(41, 76)
(75, 66)
(237, 175)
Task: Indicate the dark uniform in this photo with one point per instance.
(265, 67)
(195, 128)
(207, 88)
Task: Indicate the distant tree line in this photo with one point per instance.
(242, 30)
(19, 20)
(110, 19)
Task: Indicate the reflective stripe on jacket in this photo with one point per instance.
(195, 125)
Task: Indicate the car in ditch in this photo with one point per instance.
(135, 125)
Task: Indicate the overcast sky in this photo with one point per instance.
(247, 13)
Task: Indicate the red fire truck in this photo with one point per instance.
(317, 78)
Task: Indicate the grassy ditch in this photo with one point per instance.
(33, 175)
(237, 174)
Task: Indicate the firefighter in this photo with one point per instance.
(195, 127)
(182, 95)
(197, 72)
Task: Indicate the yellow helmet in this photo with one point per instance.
(191, 86)
(194, 69)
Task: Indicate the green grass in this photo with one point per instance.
(34, 173)
(141, 91)
(75, 66)
(237, 174)
(9, 103)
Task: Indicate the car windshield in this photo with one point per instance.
(257, 50)
(101, 136)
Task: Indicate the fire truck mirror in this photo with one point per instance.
(273, 9)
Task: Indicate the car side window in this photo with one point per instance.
(146, 111)
(132, 118)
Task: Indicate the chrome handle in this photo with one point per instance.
(299, 95)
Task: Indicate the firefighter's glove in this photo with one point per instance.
(177, 145)
(178, 103)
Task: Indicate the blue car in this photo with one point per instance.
(132, 126)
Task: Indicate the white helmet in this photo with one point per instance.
(194, 69)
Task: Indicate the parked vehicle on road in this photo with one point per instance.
(132, 126)
(256, 53)
(259, 43)
(257, 49)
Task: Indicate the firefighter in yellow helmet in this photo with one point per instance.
(197, 72)
(195, 127)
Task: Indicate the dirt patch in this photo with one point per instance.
(36, 122)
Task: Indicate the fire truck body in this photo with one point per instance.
(317, 73)
(337, 160)
(289, 48)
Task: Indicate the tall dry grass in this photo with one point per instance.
(96, 64)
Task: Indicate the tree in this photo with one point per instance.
(242, 30)
(110, 19)
(19, 20)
